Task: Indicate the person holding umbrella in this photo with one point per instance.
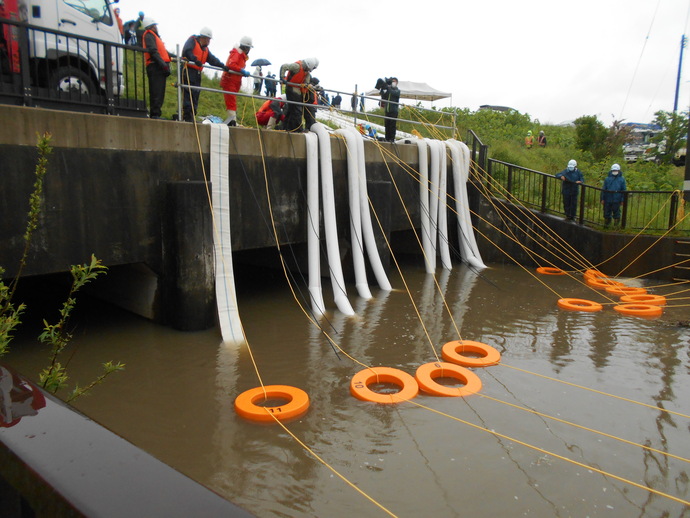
(258, 79)
(258, 74)
(232, 79)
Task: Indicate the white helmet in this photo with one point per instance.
(311, 63)
(246, 41)
(615, 167)
(205, 31)
(572, 165)
(148, 22)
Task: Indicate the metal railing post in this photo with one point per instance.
(27, 90)
(624, 215)
(488, 180)
(673, 210)
(583, 192)
(179, 82)
(544, 185)
(109, 94)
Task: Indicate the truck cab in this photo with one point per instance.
(69, 60)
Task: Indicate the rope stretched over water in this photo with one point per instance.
(317, 457)
(581, 427)
(556, 455)
(421, 320)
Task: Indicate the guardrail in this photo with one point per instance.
(641, 210)
(55, 461)
(55, 69)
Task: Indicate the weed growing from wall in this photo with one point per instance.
(54, 377)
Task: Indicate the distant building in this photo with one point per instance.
(639, 144)
(497, 108)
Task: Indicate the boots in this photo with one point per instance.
(231, 119)
(617, 223)
(607, 222)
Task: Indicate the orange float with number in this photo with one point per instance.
(625, 290)
(579, 305)
(359, 386)
(602, 283)
(648, 298)
(453, 352)
(296, 405)
(548, 270)
(426, 378)
(639, 310)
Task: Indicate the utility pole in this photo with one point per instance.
(686, 183)
(683, 41)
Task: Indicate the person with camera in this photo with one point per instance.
(390, 96)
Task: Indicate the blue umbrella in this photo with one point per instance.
(261, 62)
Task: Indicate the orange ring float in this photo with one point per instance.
(359, 386)
(452, 352)
(625, 290)
(594, 273)
(297, 403)
(639, 310)
(427, 373)
(648, 298)
(602, 282)
(548, 270)
(579, 305)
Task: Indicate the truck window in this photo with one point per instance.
(96, 9)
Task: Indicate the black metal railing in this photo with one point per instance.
(641, 210)
(56, 69)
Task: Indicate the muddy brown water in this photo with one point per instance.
(496, 453)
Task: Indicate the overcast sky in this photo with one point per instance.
(555, 60)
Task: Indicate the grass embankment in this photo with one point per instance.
(504, 132)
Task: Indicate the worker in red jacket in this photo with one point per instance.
(271, 112)
(232, 79)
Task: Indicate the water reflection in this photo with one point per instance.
(176, 397)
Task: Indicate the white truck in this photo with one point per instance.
(66, 62)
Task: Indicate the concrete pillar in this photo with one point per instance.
(188, 283)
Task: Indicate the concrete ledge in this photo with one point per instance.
(60, 463)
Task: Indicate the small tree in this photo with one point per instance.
(591, 135)
(54, 377)
(674, 130)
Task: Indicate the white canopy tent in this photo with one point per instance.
(416, 91)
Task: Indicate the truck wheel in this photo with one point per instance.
(70, 79)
